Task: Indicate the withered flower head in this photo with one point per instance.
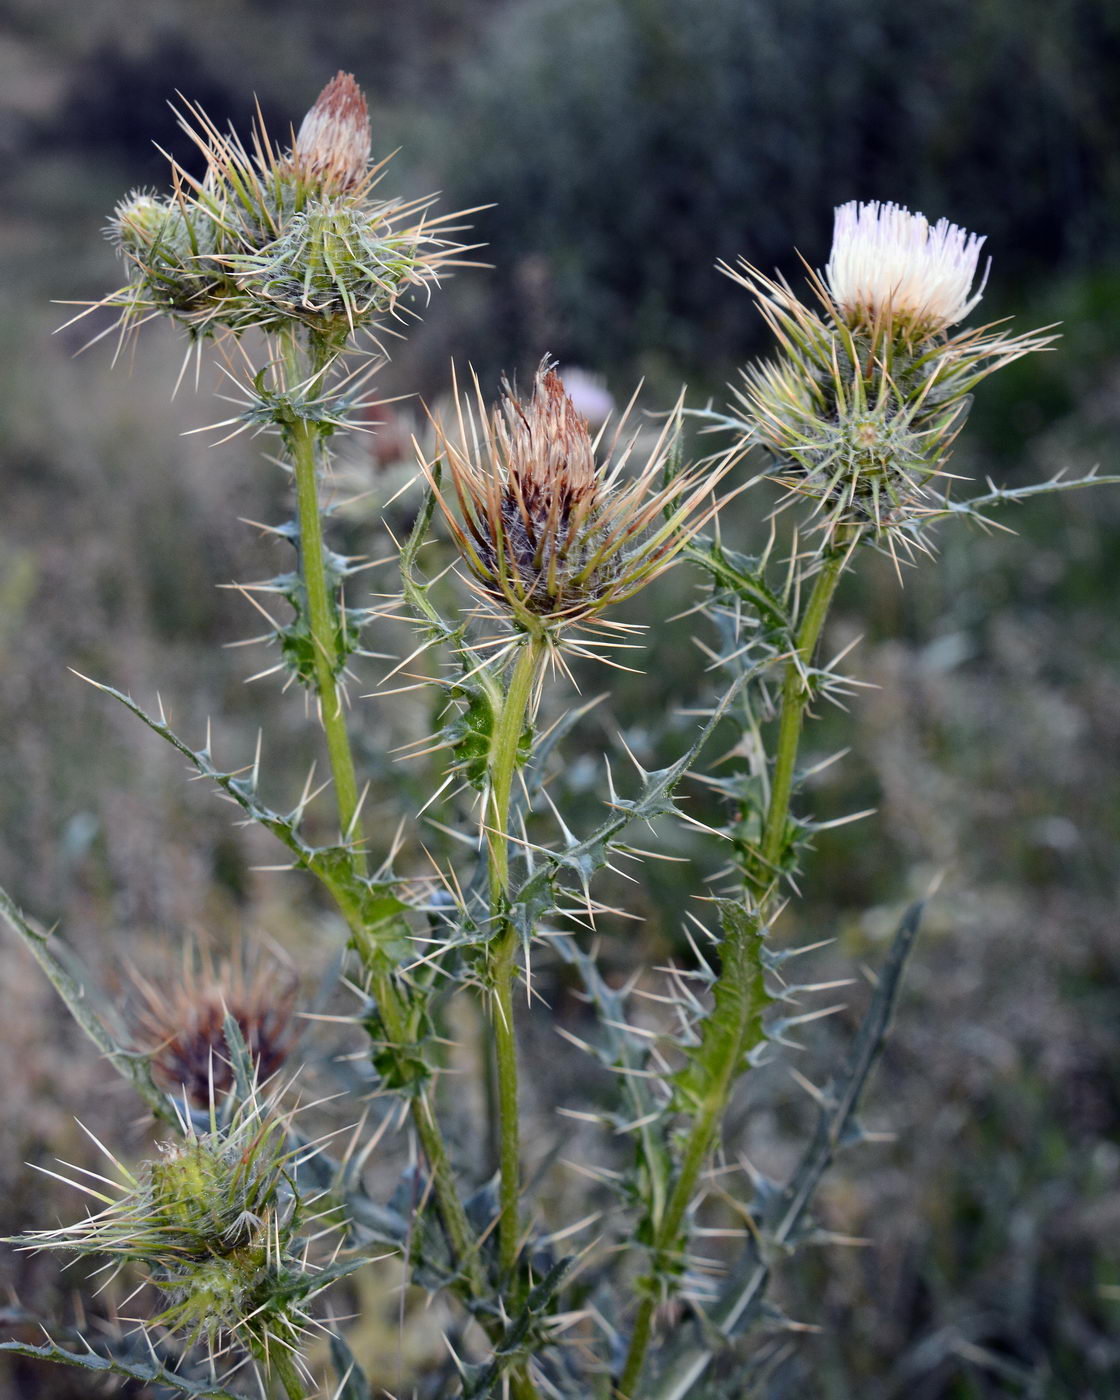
(332, 147)
(180, 1023)
(552, 533)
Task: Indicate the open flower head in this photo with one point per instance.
(553, 528)
(889, 264)
(869, 388)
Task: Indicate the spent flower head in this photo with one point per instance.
(864, 400)
(179, 1022)
(554, 528)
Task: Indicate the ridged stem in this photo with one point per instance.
(704, 1127)
(302, 437)
(278, 1364)
(796, 694)
(705, 1124)
(503, 950)
(741, 998)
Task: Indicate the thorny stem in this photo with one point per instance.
(704, 1127)
(742, 969)
(284, 1369)
(796, 694)
(503, 950)
(303, 435)
(302, 438)
(451, 1209)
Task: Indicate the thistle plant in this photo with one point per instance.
(530, 535)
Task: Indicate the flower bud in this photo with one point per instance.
(213, 1221)
(332, 147)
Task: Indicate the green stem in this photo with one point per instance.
(303, 438)
(280, 1365)
(503, 949)
(394, 1018)
(704, 1127)
(321, 617)
(796, 694)
(733, 1028)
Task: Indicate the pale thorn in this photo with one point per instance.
(888, 262)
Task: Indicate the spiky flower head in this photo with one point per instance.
(869, 390)
(553, 529)
(214, 1222)
(889, 264)
(179, 1022)
(269, 236)
(337, 264)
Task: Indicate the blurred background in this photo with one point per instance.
(625, 146)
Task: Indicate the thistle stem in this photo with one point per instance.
(704, 1127)
(302, 438)
(740, 1000)
(705, 1124)
(796, 694)
(503, 951)
(284, 1369)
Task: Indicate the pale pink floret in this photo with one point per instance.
(887, 261)
(333, 144)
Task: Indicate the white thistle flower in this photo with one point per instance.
(888, 262)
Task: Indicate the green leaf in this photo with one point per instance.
(733, 1029)
(353, 1384)
(366, 902)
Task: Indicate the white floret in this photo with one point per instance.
(886, 260)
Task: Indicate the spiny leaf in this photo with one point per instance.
(737, 573)
(733, 1029)
(625, 1051)
(151, 1373)
(1005, 495)
(131, 1066)
(518, 1339)
(353, 1384)
(586, 856)
(366, 902)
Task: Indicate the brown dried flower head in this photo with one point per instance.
(332, 147)
(182, 1025)
(551, 532)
